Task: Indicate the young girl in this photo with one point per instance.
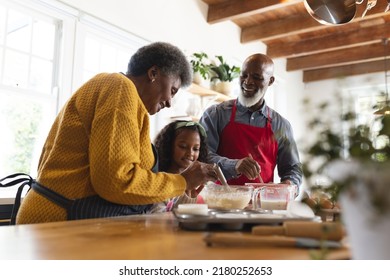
(179, 144)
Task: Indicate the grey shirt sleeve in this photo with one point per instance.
(288, 164)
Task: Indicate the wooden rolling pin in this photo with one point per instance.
(240, 240)
(325, 230)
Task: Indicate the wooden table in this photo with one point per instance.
(141, 237)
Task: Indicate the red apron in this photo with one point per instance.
(238, 140)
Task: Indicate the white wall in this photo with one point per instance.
(180, 22)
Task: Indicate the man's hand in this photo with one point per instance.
(248, 167)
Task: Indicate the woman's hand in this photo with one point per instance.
(198, 174)
(194, 193)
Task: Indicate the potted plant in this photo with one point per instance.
(200, 66)
(351, 163)
(222, 74)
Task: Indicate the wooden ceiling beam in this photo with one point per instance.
(233, 9)
(330, 41)
(325, 59)
(276, 29)
(343, 71)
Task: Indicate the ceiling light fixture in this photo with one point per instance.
(331, 12)
(370, 4)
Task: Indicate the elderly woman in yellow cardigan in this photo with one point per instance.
(98, 158)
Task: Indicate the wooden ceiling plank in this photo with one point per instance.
(277, 29)
(330, 41)
(343, 71)
(334, 58)
(233, 9)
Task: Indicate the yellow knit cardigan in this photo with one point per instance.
(100, 144)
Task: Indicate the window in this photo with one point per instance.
(28, 62)
(101, 47)
(47, 50)
(364, 102)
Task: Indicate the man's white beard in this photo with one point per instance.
(250, 101)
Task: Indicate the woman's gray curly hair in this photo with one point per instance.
(168, 58)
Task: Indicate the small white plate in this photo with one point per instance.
(193, 209)
(297, 209)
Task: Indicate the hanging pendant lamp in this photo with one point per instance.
(337, 12)
(331, 12)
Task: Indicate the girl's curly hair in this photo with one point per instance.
(164, 144)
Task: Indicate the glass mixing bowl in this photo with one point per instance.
(226, 198)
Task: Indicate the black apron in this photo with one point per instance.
(83, 208)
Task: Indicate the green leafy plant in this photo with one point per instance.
(339, 158)
(222, 71)
(200, 64)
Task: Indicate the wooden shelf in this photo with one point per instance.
(203, 93)
(206, 92)
(185, 118)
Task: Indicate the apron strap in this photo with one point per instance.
(13, 180)
(52, 195)
(234, 109)
(156, 167)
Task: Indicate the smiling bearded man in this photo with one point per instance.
(246, 137)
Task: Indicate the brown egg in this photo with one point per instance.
(337, 205)
(326, 203)
(311, 202)
(318, 194)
